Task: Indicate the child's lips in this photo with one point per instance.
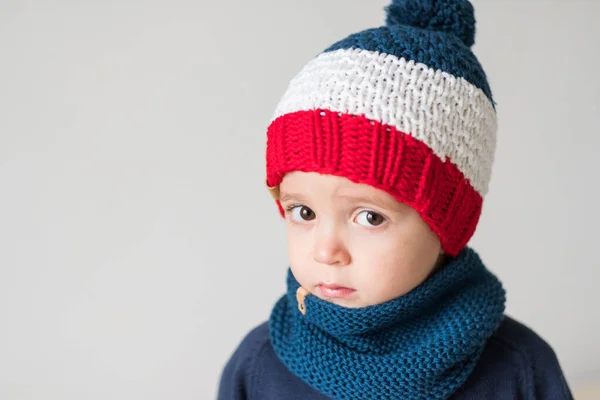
(334, 290)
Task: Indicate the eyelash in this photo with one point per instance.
(291, 207)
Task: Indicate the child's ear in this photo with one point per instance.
(273, 190)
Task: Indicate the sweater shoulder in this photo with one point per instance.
(239, 374)
(540, 369)
(520, 338)
(256, 339)
(251, 345)
(516, 363)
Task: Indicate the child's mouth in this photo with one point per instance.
(334, 291)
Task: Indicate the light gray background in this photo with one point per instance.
(138, 244)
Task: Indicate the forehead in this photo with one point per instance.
(304, 186)
(299, 181)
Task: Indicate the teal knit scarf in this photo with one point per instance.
(422, 345)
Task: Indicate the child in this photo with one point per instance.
(379, 156)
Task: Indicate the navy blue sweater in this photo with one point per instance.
(516, 364)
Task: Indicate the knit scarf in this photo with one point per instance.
(422, 345)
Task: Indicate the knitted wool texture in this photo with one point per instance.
(405, 108)
(422, 345)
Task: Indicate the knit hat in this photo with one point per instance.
(405, 108)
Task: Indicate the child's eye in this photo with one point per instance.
(301, 213)
(370, 218)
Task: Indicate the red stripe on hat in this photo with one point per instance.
(369, 152)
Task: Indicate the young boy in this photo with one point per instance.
(379, 156)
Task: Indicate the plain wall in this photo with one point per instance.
(138, 244)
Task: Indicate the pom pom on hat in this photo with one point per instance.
(452, 16)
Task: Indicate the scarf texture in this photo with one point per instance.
(422, 345)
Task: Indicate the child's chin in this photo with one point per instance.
(353, 301)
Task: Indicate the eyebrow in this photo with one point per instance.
(285, 196)
(375, 200)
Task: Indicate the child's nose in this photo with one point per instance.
(330, 250)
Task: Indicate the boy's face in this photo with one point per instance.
(352, 244)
